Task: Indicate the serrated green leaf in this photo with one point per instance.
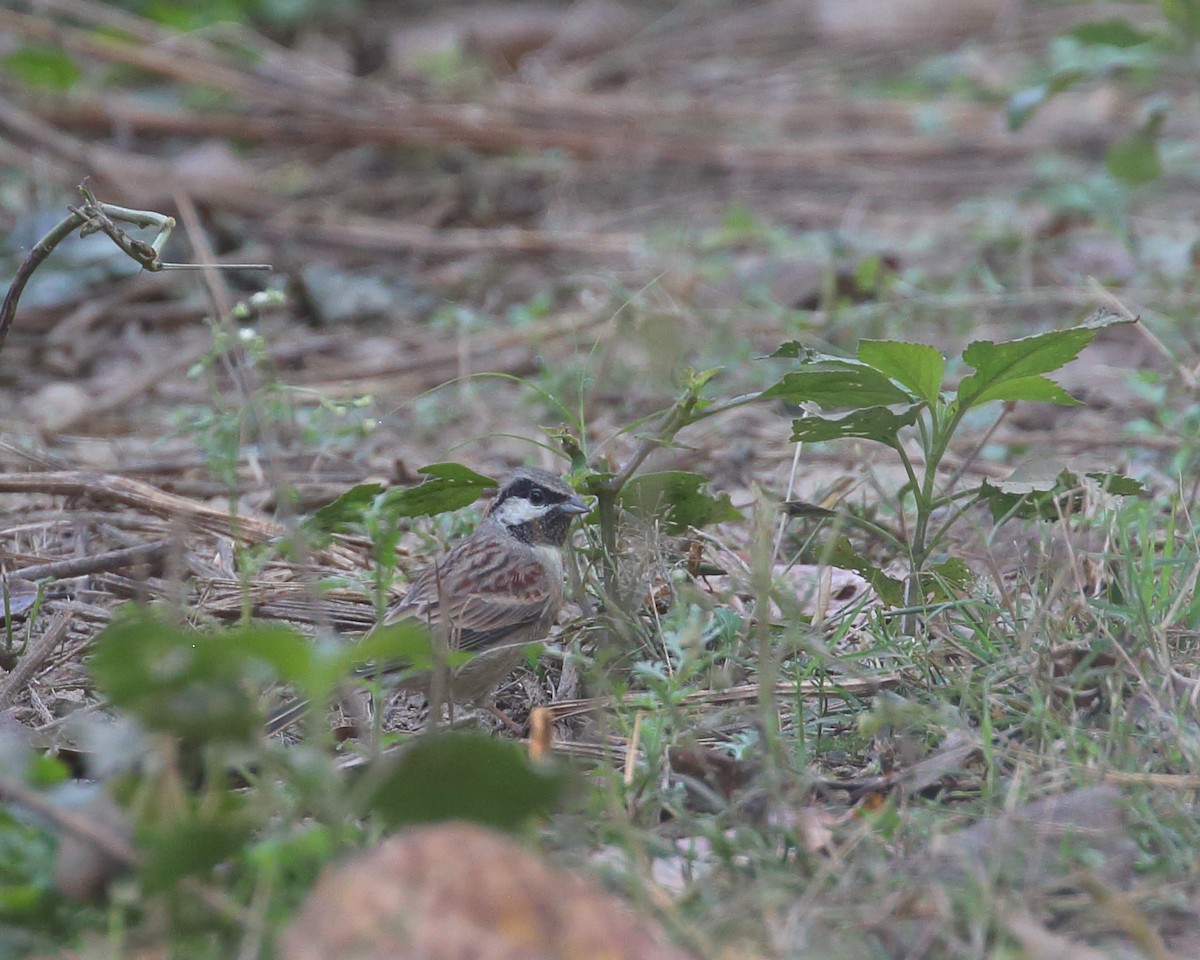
(41, 65)
(1135, 159)
(460, 776)
(870, 423)
(917, 366)
(1118, 484)
(843, 555)
(678, 499)
(832, 383)
(1012, 369)
(1116, 32)
(1038, 389)
(451, 487)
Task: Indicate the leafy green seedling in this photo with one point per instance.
(892, 392)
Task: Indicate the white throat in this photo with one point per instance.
(517, 510)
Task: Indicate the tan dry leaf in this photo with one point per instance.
(459, 890)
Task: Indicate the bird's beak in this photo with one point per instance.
(573, 504)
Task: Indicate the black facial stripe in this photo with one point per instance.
(523, 487)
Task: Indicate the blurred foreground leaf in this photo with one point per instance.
(464, 776)
(196, 685)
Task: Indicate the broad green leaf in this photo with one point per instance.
(1135, 159)
(843, 555)
(916, 365)
(41, 65)
(347, 510)
(450, 487)
(869, 423)
(463, 776)
(1012, 369)
(831, 382)
(1116, 32)
(678, 498)
(1040, 389)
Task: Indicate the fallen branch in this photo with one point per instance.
(100, 563)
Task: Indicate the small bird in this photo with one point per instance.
(494, 592)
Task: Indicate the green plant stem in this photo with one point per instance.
(681, 414)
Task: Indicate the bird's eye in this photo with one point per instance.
(536, 497)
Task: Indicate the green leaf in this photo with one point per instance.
(457, 473)
(1116, 32)
(870, 423)
(190, 847)
(842, 554)
(792, 350)
(831, 382)
(916, 365)
(1117, 484)
(1024, 103)
(198, 686)
(450, 486)
(1135, 159)
(463, 776)
(679, 498)
(945, 580)
(1012, 370)
(406, 641)
(1048, 498)
(41, 65)
(347, 511)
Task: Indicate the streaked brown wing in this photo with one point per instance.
(483, 592)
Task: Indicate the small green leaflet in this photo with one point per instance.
(917, 366)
